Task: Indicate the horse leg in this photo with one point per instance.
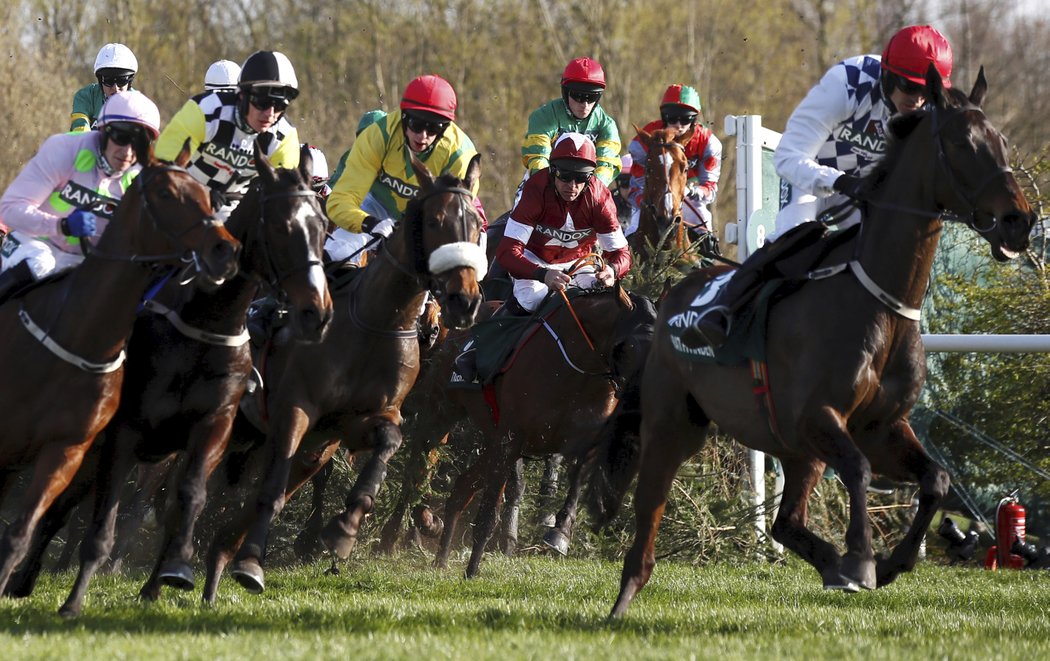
(560, 535)
(58, 515)
(205, 450)
(900, 455)
(340, 535)
(789, 528)
(662, 454)
(78, 525)
(827, 432)
(498, 460)
(307, 545)
(284, 439)
(466, 485)
(417, 468)
(549, 490)
(133, 511)
(113, 468)
(514, 491)
(55, 466)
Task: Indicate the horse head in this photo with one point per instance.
(973, 177)
(444, 234)
(665, 175)
(284, 226)
(177, 223)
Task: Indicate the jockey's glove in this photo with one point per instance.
(850, 186)
(80, 223)
(380, 229)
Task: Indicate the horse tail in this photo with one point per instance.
(611, 461)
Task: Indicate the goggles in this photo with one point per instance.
(420, 125)
(267, 102)
(585, 97)
(680, 120)
(573, 177)
(123, 136)
(116, 81)
(909, 87)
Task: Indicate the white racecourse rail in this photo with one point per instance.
(757, 202)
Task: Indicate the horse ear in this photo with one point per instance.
(262, 164)
(980, 88)
(643, 134)
(473, 173)
(934, 86)
(426, 180)
(306, 164)
(184, 155)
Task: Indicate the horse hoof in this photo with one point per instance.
(859, 570)
(337, 541)
(178, 575)
(548, 521)
(249, 574)
(556, 540)
(842, 584)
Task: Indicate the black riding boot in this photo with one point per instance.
(466, 365)
(712, 327)
(14, 279)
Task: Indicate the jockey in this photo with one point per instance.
(377, 181)
(577, 111)
(833, 138)
(222, 75)
(68, 191)
(222, 127)
(318, 171)
(563, 212)
(115, 68)
(680, 109)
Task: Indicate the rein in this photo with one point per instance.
(593, 260)
(190, 259)
(278, 275)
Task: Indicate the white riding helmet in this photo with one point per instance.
(131, 106)
(222, 74)
(320, 164)
(116, 56)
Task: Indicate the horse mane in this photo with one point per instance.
(901, 127)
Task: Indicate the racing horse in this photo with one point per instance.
(845, 358)
(64, 339)
(189, 363)
(560, 386)
(665, 182)
(349, 387)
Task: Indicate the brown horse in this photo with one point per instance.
(660, 215)
(189, 363)
(349, 388)
(845, 358)
(63, 348)
(559, 388)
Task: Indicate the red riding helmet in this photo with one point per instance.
(910, 52)
(574, 152)
(431, 94)
(584, 74)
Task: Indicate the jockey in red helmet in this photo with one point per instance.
(376, 181)
(680, 109)
(577, 111)
(835, 136)
(563, 212)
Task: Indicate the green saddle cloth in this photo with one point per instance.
(747, 332)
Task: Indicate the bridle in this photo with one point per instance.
(189, 258)
(668, 217)
(277, 275)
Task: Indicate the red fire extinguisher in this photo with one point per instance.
(1009, 525)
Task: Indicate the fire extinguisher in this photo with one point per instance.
(1009, 525)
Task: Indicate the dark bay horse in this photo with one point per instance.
(189, 363)
(63, 348)
(558, 389)
(845, 358)
(660, 216)
(349, 387)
